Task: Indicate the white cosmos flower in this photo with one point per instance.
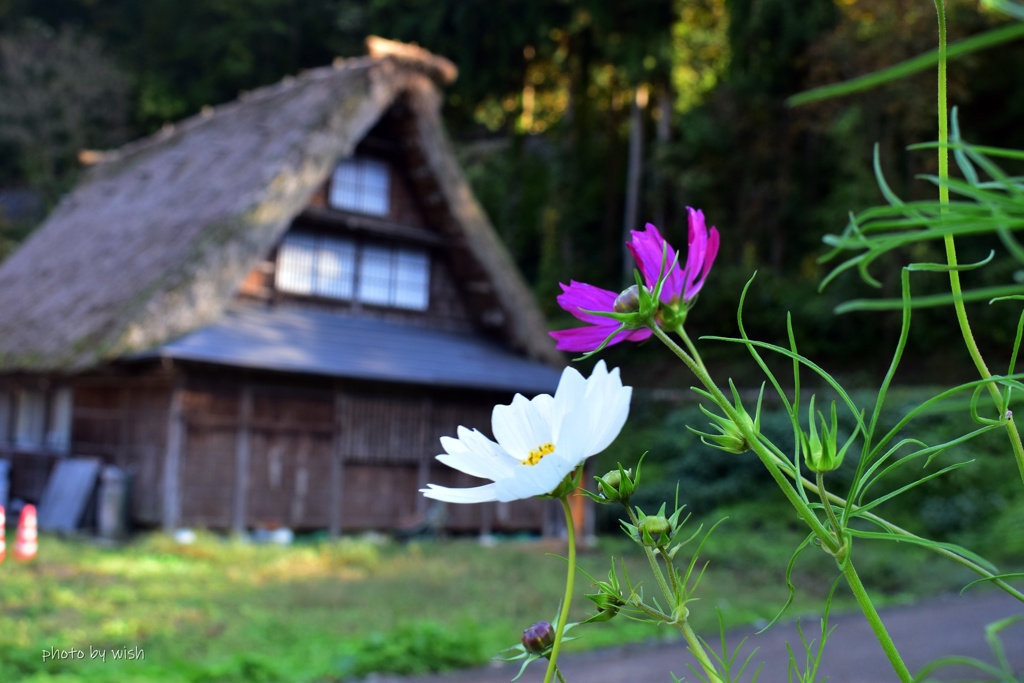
(539, 441)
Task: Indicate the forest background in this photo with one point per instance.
(577, 121)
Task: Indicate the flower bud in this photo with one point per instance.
(822, 454)
(608, 598)
(731, 436)
(616, 486)
(628, 301)
(654, 531)
(538, 637)
(607, 606)
(655, 525)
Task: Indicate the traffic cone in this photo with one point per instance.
(3, 534)
(26, 543)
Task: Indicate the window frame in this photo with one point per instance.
(29, 419)
(35, 420)
(381, 274)
(361, 185)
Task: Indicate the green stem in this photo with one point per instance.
(558, 672)
(655, 567)
(829, 512)
(866, 606)
(689, 345)
(950, 245)
(839, 501)
(673, 578)
(900, 531)
(698, 651)
(1018, 447)
(765, 455)
(674, 597)
(563, 616)
(948, 241)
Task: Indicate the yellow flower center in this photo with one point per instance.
(539, 452)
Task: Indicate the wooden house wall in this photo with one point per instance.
(123, 421)
(119, 419)
(286, 452)
(29, 467)
(29, 473)
(344, 458)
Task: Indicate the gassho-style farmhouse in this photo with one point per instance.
(267, 314)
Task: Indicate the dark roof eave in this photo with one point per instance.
(316, 343)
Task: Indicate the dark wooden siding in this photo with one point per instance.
(123, 421)
(286, 466)
(120, 419)
(386, 439)
(29, 473)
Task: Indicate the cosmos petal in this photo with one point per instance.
(581, 339)
(654, 255)
(579, 297)
(478, 494)
(520, 428)
(582, 415)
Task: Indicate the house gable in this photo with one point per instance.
(388, 262)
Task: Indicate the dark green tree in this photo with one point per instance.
(59, 94)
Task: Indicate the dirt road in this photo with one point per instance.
(923, 632)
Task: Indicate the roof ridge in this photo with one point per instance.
(442, 71)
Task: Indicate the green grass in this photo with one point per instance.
(331, 611)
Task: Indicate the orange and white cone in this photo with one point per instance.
(26, 543)
(3, 534)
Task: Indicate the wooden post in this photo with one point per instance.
(422, 479)
(426, 457)
(336, 502)
(123, 408)
(172, 461)
(241, 501)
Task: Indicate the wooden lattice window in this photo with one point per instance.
(361, 185)
(340, 268)
(42, 420)
(30, 419)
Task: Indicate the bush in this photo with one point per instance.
(414, 648)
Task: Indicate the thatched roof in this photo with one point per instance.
(157, 238)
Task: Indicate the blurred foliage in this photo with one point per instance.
(11, 235)
(59, 94)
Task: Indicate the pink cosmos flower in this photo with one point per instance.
(683, 283)
(579, 297)
(653, 255)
